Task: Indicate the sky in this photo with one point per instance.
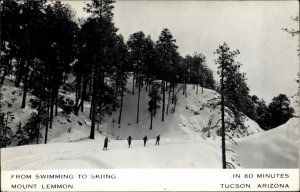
(268, 54)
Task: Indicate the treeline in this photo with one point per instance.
(274, 114)
(43, 45)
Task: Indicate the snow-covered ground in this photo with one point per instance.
(184, 139)
(89, 154)
(277, 148)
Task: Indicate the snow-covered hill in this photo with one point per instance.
(186, 140)
(190, 120)
(276, 148)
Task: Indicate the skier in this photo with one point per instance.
(157, 140)
(129, 141)
(145, 140)
(105, 143)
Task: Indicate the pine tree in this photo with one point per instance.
(233, 93)
(120, 75)
(165, 49)
(154, 101)
(101, 11)
(137, 49)
(151, 64)
(83, 68)
(199, 60)
(280, 110)
(28, 43)
(61, 30)
(187, 62)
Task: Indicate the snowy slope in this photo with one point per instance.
(12, 100)
(64, 128)
(189, 121)
(186, 141)
(276, 148)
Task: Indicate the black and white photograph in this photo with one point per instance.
(149, 84)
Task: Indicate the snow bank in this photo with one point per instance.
(276, 148)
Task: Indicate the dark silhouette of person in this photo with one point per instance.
(145, 140)
(157, 140)
(105, 143)
(129, 141)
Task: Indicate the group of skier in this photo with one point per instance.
(145, 139)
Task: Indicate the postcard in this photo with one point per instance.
(105, 95)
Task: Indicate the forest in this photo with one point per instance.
(48, 52)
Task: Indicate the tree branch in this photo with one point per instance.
(230, 165)
(231, 141)
(229, 150)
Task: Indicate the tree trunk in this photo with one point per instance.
(175, 102)
(38, 133)
(138, 105)
(83, 95)
(77, 93)
(223, 119)
(51, 109)
(94, 103)
(90, 84)
(19, 72)
(115, 98)
(151, 119)
(173, 93)
(163, 102)
(121, 108)
(91, 112)
(166, 87)
(141, 78)
(56, 104)
(133, 84)
(47, 122)
(46, 133)
(100, 92)
(169, 96)
(25, 85)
